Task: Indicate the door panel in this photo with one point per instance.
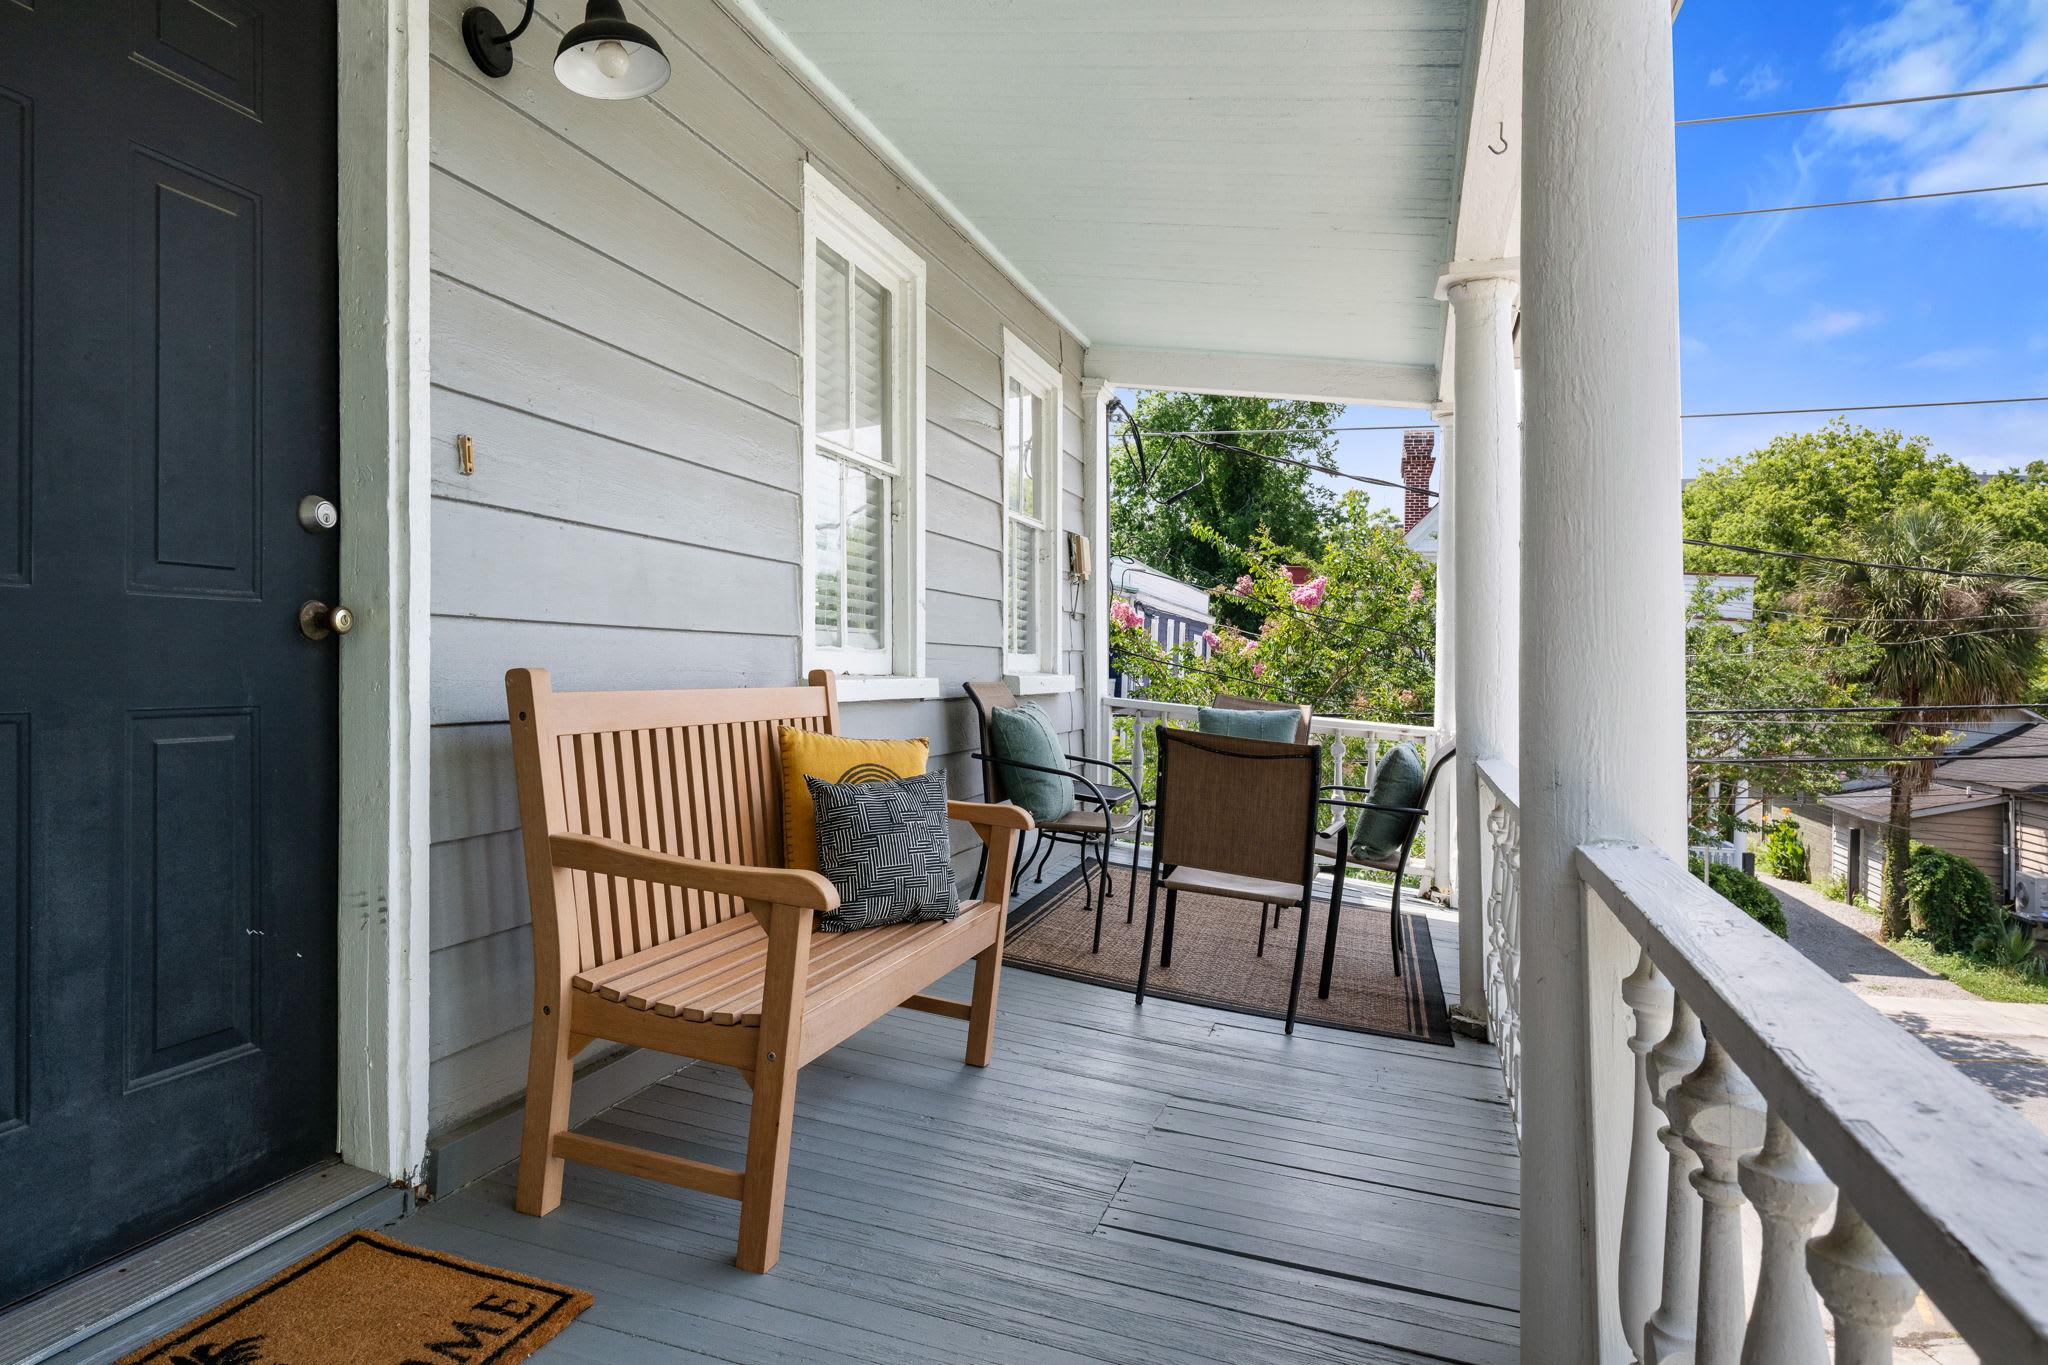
(167, 738)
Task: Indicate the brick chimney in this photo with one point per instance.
(1418, 463)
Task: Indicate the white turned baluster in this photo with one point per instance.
(1721, 1117)
(1668, 1339)
(1642, 1216)
(1863, 1285)
(1790, 1192)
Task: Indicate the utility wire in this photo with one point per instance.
(1838, 710)
(1863, 104)
(1866, 407)
(1870, 563)
(1849, 203)
(1291, 431)
(1867, 760)
(1859, 644)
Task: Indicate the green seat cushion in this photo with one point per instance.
(1279, 726)
(1381, 833)
(1024, 733)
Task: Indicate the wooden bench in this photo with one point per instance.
(662, 918)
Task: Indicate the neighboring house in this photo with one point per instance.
(1988, 802)
(1176, 612)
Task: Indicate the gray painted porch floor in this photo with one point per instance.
(1173, 1184)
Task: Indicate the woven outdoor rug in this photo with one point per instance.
(1215, 959)
(366, 1298)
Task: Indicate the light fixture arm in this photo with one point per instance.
(490, 46)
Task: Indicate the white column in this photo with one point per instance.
(1095, 396)
(1602, 669)
(1445, 838)
(1483, 526)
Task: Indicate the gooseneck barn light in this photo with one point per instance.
(603, 57)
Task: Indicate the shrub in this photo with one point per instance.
(1950, 900)
(1750, 896)
(2011, 946)
(1833, 888)
(1784, 851)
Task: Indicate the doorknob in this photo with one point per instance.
(317, 620)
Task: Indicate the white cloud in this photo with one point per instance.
(1759, 82)
(1825, 324)
(1954, 358)
(1717, 77)
(1931, 47)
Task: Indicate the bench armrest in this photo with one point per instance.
(983, 815)
(773, 885)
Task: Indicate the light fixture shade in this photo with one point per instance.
(607, 58)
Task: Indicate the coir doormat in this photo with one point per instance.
(369, 1300)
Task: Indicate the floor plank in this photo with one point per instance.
(1145, 1186)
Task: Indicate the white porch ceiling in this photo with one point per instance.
(1256, 178)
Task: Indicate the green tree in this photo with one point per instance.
(1356, 638)
(1233, 495)
(1773, 661)
(1806, 491)
(2015, 501)
(1938, 639)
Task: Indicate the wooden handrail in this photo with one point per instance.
(772, 885)
(1953, 1182)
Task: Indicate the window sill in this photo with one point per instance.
(1040, 684)
(877, 687)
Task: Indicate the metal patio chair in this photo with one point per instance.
(1094, 823)
(1333, 844)
(1234, 818)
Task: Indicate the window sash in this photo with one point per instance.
(1028, 618)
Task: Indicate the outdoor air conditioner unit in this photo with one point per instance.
(2030, 896)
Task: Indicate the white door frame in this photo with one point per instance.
(385, 496)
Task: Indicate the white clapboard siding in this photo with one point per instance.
(616, 323)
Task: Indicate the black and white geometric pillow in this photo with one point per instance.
(886, 847)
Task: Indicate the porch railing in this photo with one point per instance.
(1500, 901)
(1352, 749)
(1758, 1079)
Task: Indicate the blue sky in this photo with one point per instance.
(1893, 303)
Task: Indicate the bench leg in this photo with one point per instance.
(981, 1021)
(550, 1068)
(766, 1179)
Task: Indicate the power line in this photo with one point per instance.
(1837, 710)
(1863, 104)
(1859, 644)
(1866, 760)
(1870, 563)
(1865, 407)
(1292, 431)
(1850, 203)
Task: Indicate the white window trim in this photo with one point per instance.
(832, 217)
(1039, 376)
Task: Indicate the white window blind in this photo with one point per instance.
(1031, 396)
(861, 511)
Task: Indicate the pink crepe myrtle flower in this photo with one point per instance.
(1126, 615)
(1251, 646)
(1310, 594)
(1415, 593)
(1406, 696)
(1258, 670)
(1212, 639)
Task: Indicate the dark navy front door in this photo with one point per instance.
(167, 737)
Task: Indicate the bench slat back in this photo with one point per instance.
(693, 773)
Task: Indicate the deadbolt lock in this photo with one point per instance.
(317, 620)
(318, 514)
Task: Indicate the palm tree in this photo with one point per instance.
(1942, 639)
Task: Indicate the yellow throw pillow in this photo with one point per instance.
(805, 753)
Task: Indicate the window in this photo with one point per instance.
(863, 440)
(1031, 408)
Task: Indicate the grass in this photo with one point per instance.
(1974, 972)
(1978, 975)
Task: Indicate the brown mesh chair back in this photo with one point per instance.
(1227, 702)
(1245, 807)
(989, 697)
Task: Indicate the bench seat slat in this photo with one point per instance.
(715, 974)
